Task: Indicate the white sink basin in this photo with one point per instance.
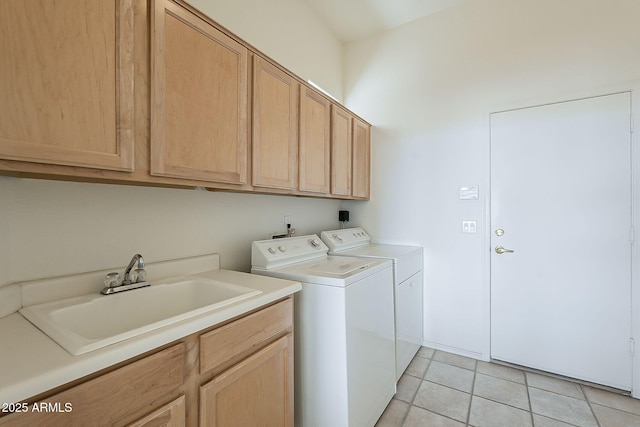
(90, 322)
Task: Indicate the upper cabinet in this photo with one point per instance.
(156, 93)
(361, 167)
(66, 83)
(350, 155)
(275, 127)
(199, 98)
(341, 149)
(315, 139)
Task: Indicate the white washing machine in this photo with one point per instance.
(408, 284)
(344, 330)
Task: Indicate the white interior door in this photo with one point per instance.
(561, 200)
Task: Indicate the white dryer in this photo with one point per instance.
(408, 284)
(344, 330)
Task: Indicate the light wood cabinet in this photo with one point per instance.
(136, 388)
(341, 149)
(315, 140)
(350, 155)
(199, 98)
(256, 391)
(170, 415)
(156, 93)
(253, 374)
(66, 83)
(239, 373)
(275, 127)
(361, 167)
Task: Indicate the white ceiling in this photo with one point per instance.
(353, 19)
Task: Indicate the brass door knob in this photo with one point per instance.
(501, 250)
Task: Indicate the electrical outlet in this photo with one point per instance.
(287, 221)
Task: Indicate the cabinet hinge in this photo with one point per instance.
(632, 346)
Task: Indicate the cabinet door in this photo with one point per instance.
(314, 142)
(255, 392)
(341, 135)
(361, 159)
(170, 415)
(66, 83)
(199, 99)
(275, 126)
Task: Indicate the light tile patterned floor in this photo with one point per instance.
(441, 389)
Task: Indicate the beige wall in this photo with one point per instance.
(50, 228)
(60, 228)
(428, 88)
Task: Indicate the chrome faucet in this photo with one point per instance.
(112, 280)
(127, 271)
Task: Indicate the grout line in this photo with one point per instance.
(473, 387)
(404, 419)
(526, 386)
(586, 399)
(561, 377)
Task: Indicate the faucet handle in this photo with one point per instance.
(112, 280)
(141, 275)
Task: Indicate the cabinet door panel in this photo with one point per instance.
(199, 99)
(66, 83)
(341, 135)
(361, 159)
(275, 127)
(255, 392)
(170, 415)
(314, 142)
(113, 396)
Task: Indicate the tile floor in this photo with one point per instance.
(441, 389)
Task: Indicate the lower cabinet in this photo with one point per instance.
(111, 398)
(170, 415)
(263, 379)
(251, 383)
(239, 373)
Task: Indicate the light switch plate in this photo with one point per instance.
(469, 226)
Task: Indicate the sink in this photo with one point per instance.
(86, 323)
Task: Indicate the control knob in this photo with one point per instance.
(315, 243)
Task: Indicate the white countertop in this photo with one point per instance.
(31, 363)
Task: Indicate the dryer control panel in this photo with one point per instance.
(273, 253)
(345, 238)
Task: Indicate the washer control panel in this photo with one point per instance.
(278, 252)
(345, 238)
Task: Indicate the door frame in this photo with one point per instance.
(632, 87)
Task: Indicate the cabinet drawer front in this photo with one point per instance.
(112, 396)
(222, 344)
